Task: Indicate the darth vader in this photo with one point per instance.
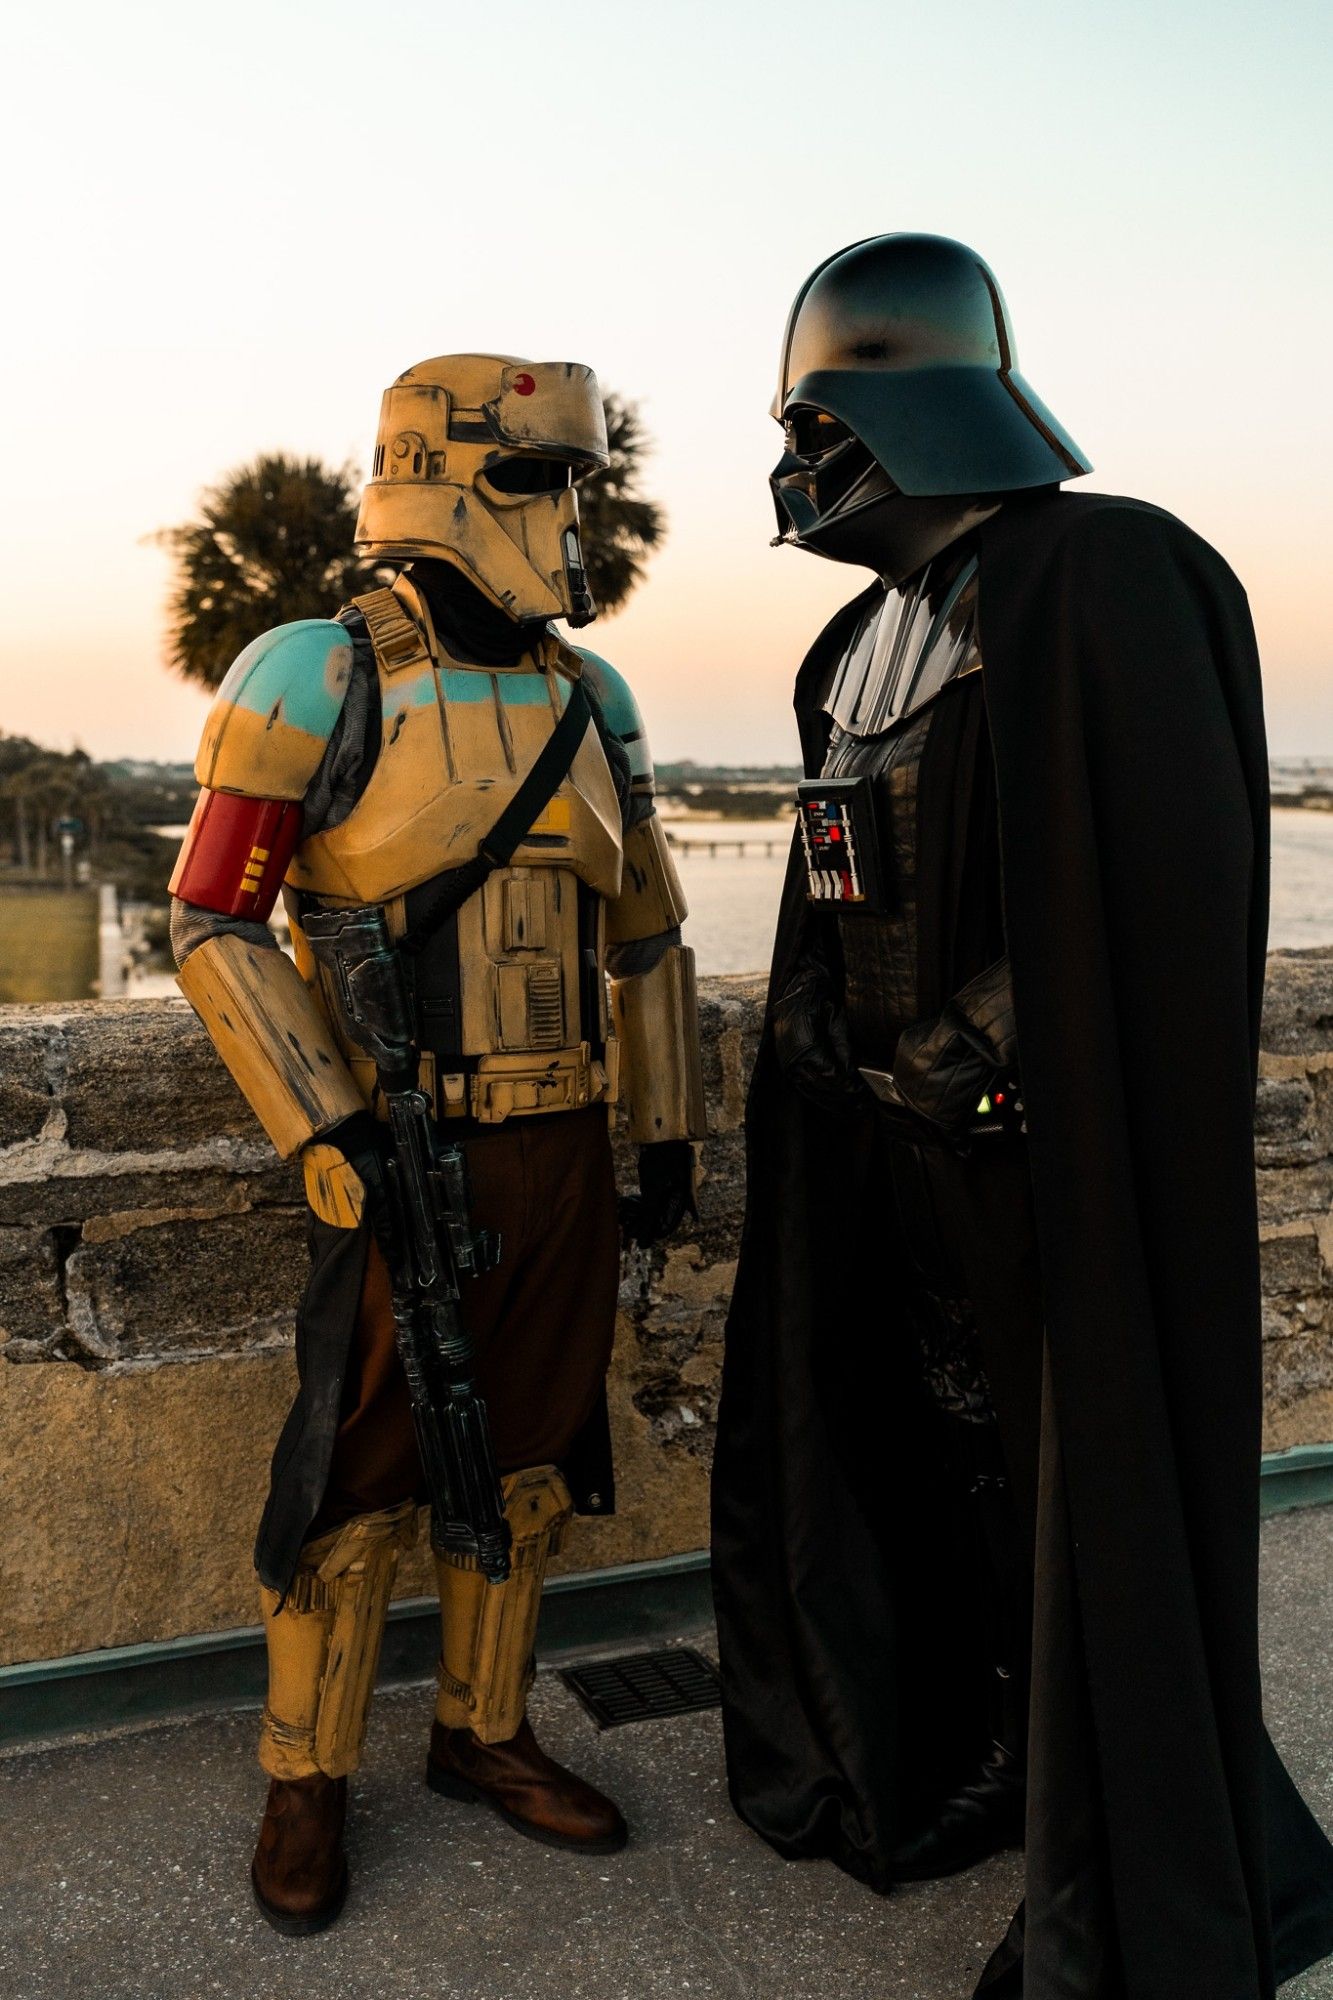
(986, 1489)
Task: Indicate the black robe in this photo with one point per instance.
(1168, 1853)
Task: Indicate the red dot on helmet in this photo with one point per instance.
(524, 385)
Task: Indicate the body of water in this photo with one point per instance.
(733, 899)
(1302, 879)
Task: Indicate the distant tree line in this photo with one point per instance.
(116, 812)
(39, 788)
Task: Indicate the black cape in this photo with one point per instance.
(1168, 1852)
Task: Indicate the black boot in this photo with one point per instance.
(985, 1813)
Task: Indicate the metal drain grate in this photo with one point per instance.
(674, 1681)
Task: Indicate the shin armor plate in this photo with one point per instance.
(490, 1629)
(324, 1645)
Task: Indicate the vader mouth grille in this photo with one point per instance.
(643, 1686)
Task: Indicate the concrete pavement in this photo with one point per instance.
(123, 1864)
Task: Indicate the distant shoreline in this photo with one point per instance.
(717, 803)
(1310, 800)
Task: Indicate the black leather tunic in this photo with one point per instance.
(938, 828)
(941, 921)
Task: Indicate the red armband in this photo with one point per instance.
(236, 853)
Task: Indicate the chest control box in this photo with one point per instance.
(841, 842)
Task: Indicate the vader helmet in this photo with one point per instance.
(476, 460)
(905, 418)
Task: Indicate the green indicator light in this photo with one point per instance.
(984, 1108)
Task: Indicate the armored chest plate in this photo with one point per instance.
(857, 818)
(906, 648)
(509, 994)
(456, 744)
(884, 701)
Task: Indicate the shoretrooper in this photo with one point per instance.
(368, 760)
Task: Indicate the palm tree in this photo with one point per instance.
(274, 542)
(619, 527)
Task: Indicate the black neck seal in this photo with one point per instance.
(471, 626)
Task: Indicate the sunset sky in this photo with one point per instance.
(229, 227)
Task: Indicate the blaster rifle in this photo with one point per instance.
(429, 1242)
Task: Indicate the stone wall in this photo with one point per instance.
(151, 1255)
(1294, 1152)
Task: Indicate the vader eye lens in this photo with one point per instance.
(523, 385)
(812, 433)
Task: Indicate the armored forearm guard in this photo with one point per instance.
(656, 1017)
(272, 1037)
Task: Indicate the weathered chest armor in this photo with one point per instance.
(511, 997)
(883, 703)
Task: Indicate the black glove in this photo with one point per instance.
(666, 1193)
(365, 1144)
(946, 1068)
(813, 1047)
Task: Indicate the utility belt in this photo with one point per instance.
(487, 1090)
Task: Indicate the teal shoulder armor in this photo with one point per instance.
(620, 710)
(272, 718)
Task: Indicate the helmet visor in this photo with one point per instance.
(527, 476)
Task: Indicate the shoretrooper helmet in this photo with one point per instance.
(905, 416)
(475, 464)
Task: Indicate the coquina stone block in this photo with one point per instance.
(154, 1286)
(1284, 1122)
(31, 1305)
(29, 1074)
(1291, 1264)
(135, 1078)
(1298, 1004)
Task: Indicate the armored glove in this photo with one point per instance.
(666, 1193)
(364, 1143)
(812, 1045)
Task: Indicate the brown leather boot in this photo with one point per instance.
(536, 1795)
(299, 1871)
